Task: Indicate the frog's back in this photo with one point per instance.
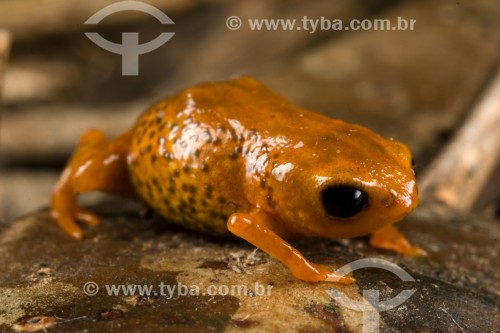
(184, 159)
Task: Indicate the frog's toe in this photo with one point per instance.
(343, 279)
(69, 226)
(415, 251)
(87, 217)
(323, 273)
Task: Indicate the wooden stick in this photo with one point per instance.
(4, 54)
(458, 175)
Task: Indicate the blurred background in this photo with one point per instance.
(415, 86)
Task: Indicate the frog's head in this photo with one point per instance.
(357, 183)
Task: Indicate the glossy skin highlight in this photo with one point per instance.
(235, 158)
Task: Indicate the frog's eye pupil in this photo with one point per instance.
(343, 201)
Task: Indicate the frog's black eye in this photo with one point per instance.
(343, 201)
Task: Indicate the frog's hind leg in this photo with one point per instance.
(96, 165)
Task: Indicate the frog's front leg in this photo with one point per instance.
(257, 228)
(96, 165)
(389, 238)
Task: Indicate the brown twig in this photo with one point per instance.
(458, 175)
(4, 54)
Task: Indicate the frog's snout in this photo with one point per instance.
(400, 152)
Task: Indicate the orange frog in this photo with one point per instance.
(235, 158)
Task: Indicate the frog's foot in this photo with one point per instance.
(65, 211)
(257, 228)
(389, 238)
(96, 165)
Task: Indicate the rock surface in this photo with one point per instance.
(46, 274)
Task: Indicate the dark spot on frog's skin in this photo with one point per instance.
(192, 189)
(156, 183)
(152, 134)
(216, 141)
(241, 138)
(208, 191)
(213, 214)
(185, 168)
(234, 137)
(269, 197)
(191, 200)
(153, 159)
(177, 173)
(171, 190)
(204, 167)
(148, 148)
(184, 188)
(166, 202)
(270, 201)
(159, 116)
(233, 155)
(148, 188)
(204, 203)
(263, 183)
(182, 206)
(192, 209)
(196, 153)
(221, 200)
(244, 151)
(276, 155)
